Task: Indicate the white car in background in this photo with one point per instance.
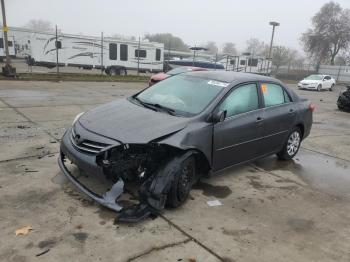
(317, 82)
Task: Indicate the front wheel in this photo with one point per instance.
(319, 87)
(184, 177)
(292, 145)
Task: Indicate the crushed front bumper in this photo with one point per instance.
(87, 163)
(108, 199)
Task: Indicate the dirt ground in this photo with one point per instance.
(297, 210)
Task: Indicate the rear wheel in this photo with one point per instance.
(291, 146)
(113, 71)
(331, 88)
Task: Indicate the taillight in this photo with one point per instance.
(312, 107)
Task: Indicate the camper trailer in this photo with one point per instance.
(114, 56)
(247, 63)
(11, 47)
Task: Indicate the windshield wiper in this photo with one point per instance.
(170, 111)
(145, 104)
(155, 106)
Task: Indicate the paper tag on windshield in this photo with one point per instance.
(217, 83)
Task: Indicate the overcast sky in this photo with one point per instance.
(195, 21)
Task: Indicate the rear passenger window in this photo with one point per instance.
(1, 43)
(286, 97)
(274, 94)
(242, 99)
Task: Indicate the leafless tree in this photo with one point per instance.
(212, 47)
(330, 33)
(229, 49)
(169, 41)
(280, 56)
(39, 25)
(257, 47)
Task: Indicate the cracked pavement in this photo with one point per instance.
(271, 210)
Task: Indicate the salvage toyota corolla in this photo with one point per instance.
(164, 138)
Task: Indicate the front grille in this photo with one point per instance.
(87, 146)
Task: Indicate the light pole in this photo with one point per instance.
(274, 24)
(8, 70)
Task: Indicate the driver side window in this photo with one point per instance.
(240, 100)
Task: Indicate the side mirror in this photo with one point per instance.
(219, 116)
(324, 79)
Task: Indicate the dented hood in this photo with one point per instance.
(130, 123)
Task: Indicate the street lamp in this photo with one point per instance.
(194, 49)
(274, 24)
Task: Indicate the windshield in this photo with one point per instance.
(178, 70)
(185, 94)
(314, 77)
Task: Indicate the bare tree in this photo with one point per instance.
(229, 49)
(212, 47)
(169, 41)
(39, 25)
(280, 56)
(257, 47)
(329, 35)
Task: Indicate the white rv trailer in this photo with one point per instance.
(11, 47)
(115, 56)
(247, 63)
(21, 37)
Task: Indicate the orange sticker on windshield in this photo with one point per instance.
(264, 88)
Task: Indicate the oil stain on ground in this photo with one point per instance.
(301, 225)
(213, 191)
(81, 236)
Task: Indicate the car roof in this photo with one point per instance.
(230, 76)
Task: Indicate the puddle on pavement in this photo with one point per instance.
(212, 190)
(330, 175)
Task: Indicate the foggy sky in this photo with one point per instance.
(195, 21)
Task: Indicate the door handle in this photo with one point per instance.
(291, 110)
(259, 119)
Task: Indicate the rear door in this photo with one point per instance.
(279, 117)
(237, 138)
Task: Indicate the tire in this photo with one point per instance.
(291, 146)
(184, 177)
(112, 71)
(331, 88)
(319, 87)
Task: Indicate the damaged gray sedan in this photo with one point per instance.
(166, 137)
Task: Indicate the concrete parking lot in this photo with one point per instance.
(297, 210)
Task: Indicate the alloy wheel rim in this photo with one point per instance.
(293, 143)
(184, 182)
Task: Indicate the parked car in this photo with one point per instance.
(179, 70)
(167, 136)
(317, 82)
(343, 101)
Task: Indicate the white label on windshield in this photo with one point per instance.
(217, 83)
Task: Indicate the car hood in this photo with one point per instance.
(127, 122)
(310, 81)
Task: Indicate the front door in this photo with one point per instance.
(237, 138)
